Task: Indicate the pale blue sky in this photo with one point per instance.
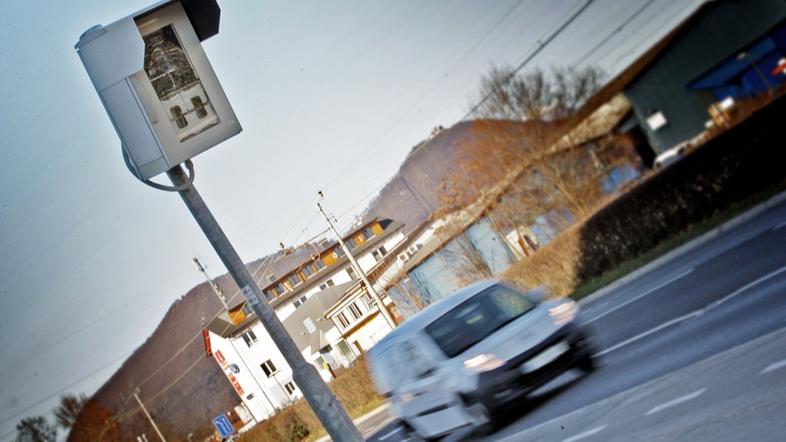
(331, 95)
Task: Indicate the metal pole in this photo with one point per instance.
(370, 288)
(325, 405)
(152, 422)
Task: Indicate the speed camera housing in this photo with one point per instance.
(157, 85)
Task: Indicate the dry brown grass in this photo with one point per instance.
(354, 390)
(555, 265)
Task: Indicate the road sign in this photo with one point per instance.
(222, 425)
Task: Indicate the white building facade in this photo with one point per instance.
(246, 353)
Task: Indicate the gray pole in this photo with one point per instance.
(152, 422)
(370, 288)
(325, 405)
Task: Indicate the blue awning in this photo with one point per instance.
(734, 66)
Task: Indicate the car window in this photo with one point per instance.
(476, 318)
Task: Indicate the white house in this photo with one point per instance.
(300, 296)
(355, 314)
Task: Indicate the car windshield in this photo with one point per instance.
(476, 318)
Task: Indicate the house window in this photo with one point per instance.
(268, 368)
(296, 303)
(338, 252)
(342, 320)
(326, 284)
(368, 233)
(294, 280)
(269, 295)
(289, 387)
(247, 309)
(351, 243)
(308, 271)
(344, 349)
(249, 337)
(351, 273)
(354, 310)
(271, 277)
(279, 289)
(199, 107)
(379, 253)
(402, 257)
(309, 324)
(319, 264)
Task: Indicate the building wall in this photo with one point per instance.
(262, 394)
(722, 29)
(250, 393)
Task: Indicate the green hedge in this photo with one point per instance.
(726, 172)
(746, 160)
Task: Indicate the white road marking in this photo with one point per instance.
(587, 433)
(647, 333)
(774, 366)
(391, 433)
(677, 401)
(692, 314)
(659, 286)
(779, 226)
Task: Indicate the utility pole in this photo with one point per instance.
(369, 287)
(220, 295)
(152, 422)
(325, 405)
(213, 285)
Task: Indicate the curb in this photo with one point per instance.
(688, 246)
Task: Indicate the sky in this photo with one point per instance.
(331, 97)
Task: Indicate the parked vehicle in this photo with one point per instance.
(670, 156)
(462, 360)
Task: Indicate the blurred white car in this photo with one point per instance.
(462, 360)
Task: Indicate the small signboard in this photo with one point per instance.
(223, 425)
(250, 295)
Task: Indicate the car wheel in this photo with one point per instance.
(587, 363)
(413, 435)
(492, 420)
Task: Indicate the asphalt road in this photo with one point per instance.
(694, 310)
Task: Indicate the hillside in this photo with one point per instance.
(418, 188)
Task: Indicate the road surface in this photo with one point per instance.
(683, 350)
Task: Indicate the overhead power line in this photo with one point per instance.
(374, 144)
(46, 398)
(616, 31)
(540, 46)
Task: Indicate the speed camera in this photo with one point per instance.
(157, 85)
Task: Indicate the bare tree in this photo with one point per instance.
(535, 94)
(68, 409)
(553, 170)
(35, 429)
(466, 262)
